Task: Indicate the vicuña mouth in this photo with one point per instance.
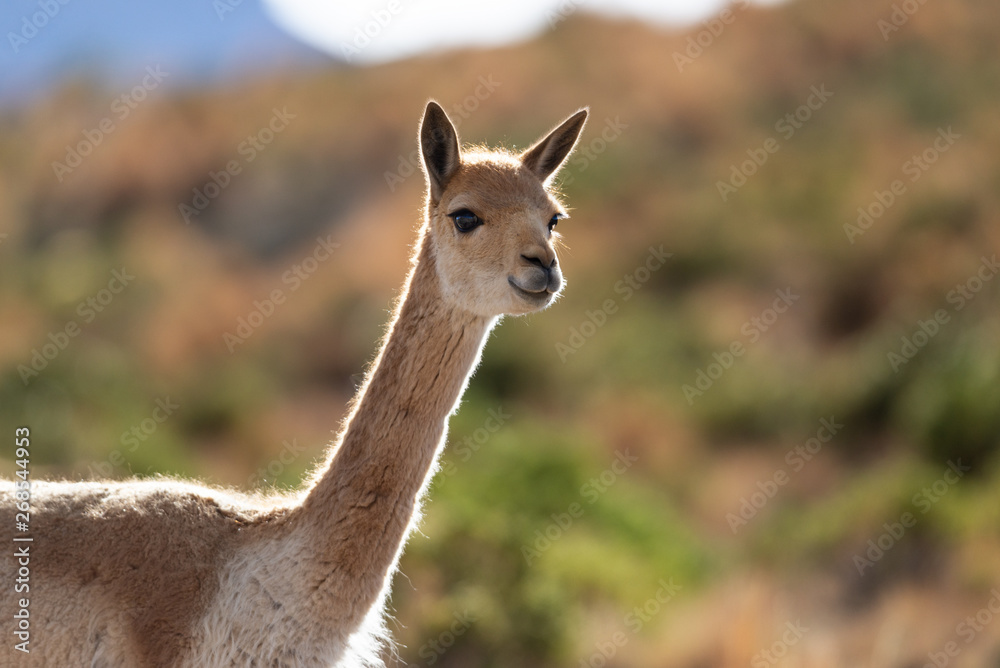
(533, 297)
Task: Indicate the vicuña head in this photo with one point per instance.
(492, 217)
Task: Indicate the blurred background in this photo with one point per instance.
(760, 428)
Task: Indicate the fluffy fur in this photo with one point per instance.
(163, 573)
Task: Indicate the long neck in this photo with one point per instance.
(358, 513)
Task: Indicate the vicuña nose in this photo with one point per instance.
(540, 263)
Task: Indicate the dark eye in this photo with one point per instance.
(555, 220)
(465, 220)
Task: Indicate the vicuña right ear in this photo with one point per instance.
(439, 148)
(548, 154)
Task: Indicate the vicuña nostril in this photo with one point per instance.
(537, 261)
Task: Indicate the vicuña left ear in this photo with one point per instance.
(548, 154)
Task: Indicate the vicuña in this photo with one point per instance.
(166, 573)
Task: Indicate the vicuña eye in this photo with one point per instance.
(555, 220)
(465, 220)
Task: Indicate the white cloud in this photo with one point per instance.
(369, 31)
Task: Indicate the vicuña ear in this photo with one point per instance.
(548, 154)
(439, 148)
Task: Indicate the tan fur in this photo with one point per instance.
(163, 573)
